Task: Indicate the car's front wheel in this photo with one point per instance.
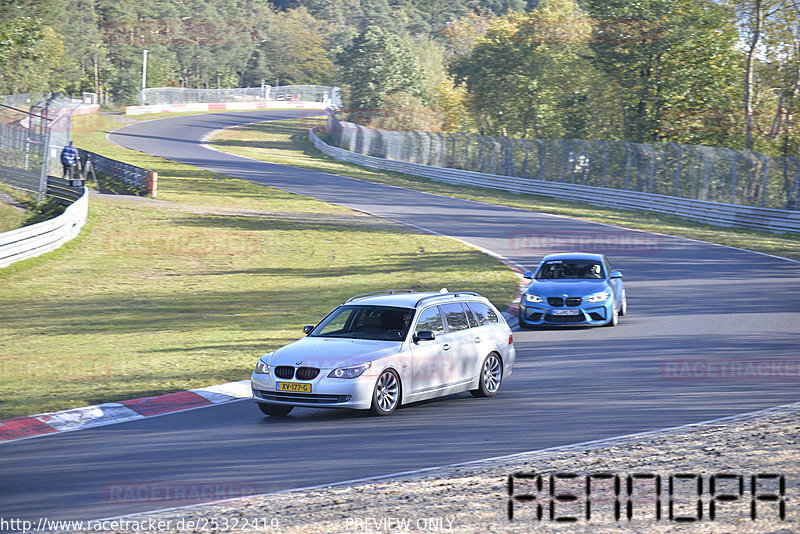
(386, 396)
(276, 410)
(623, 305)
(490, 378)
(614, 316)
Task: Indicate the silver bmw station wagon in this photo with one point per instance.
(381, 350)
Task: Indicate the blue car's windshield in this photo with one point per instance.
(566, 269)
(381, 323)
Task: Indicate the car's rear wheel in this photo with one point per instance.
(276, 410)
(490, 378)
(386, 396)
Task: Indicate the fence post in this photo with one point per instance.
(45, 165)
(153, 188)
(605, 161)
(679, 156)
(525, 161)
(564, 156)
(704, 149)
(764, 182)
(627, 164)
(542, 156)
(733, 178)
(652, 167)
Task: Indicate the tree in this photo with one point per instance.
(291, 52)
(529, 76)
(377, 64)
(672, 61)
(29, 53)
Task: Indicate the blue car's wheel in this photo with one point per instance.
(623, 306)
(614, 316)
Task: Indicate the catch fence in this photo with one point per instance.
(286, 93)
(33, 130)
(695, 172)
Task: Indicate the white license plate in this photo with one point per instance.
(565, 312)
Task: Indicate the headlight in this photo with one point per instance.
(598, 297)
(350, 372)
(262, 368)
(533, 298)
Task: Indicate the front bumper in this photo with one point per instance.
(587, 314)
(326, 392)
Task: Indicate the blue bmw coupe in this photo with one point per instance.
(573, 289)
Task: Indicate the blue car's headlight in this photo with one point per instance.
(533, 298)
(598, 297)
(350, 372)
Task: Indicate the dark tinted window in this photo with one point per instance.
(455, 316)
(484, 313)
(430, 319)
(555, 269)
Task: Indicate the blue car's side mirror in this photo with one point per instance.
(528, 275)
(615, 274)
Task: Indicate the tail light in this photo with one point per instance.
(510, 339)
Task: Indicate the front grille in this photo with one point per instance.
(574, 301)
(307, 373)
(289, 396)
(564, 318)
(284, 371)
(555, 301)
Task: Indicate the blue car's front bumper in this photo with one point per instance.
(540, 313)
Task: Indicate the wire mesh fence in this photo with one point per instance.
(181, 95)
(33, 130)
(688, 171)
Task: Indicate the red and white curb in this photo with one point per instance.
(119, 412)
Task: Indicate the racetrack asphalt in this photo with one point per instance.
(689, 302)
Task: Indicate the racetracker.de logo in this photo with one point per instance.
(598, 242)
(731, 369)
(176, 493)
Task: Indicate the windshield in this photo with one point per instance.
(381, 323)
(565, 269)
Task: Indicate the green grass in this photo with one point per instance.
(189, 289)
(11, 218)
(287, 142)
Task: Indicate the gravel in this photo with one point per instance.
(474, 497)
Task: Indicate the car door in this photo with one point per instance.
(431, 360)
(464, 340)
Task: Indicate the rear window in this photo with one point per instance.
(455, 316)
(483, 313)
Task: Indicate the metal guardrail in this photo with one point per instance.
(699, 210)
(142, 180)
(36, 239)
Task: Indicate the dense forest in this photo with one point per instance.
(717, 72)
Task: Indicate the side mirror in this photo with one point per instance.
(424, 335)
(308, 328)
(528, 275)
(615, 274)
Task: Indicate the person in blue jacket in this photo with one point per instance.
(69, 159)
